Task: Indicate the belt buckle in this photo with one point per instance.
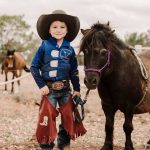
(58, 85)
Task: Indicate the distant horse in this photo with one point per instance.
(120, 77)
(15, 63)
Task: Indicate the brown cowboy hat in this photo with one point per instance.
(44, 22)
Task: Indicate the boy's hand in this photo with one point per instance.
(44, 90)
(76, 93)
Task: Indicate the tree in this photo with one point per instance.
(15, 34)
(146, 37)
(138, 39)
(134, 39)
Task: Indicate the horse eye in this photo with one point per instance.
(97, 50)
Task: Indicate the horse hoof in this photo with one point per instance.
(107, 147)
(16, 91)
(147, 146)
(129, 148)
(5, 92)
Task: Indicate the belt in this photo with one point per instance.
(60, 91)
(58, 85)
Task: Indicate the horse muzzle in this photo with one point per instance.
(91, 83)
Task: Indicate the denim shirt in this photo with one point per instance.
(54, 63)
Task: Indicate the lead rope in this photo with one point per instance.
(143, 72)
(146, 89)
(142, 66)
(84, 101)
(81, 103)
(86, 95)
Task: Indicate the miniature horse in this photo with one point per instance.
(15, 63)
(120, 77)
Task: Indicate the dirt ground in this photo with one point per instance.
(18, 118)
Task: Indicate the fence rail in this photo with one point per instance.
(16, 79)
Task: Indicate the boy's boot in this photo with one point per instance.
(47, 147)
(63, 138)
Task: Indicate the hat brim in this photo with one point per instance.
(44, 21)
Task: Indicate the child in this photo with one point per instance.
(53, 66)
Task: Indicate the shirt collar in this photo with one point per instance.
(65, 43)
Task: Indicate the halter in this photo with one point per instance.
(102, 68)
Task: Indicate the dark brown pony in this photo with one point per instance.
(15, 63)
(115, 70)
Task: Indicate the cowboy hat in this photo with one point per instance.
(44, 22)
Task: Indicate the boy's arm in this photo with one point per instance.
(35, 67)
(74, 74)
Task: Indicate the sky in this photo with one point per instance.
(125, 16)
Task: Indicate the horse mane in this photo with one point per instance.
(106, 34)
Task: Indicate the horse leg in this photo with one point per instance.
(19, 75)
(128, 128)
(12, 89)
(6, 79)
(147, 145)
(109, 127)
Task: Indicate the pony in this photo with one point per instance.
(119, 75)
(13, 62)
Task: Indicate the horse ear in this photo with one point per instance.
(84, 31)
(112, 31)
(108, 23)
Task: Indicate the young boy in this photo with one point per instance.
(53, 67)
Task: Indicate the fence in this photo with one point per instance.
(141, 48)
(16, 79)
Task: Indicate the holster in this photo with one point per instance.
(46, 128)
(74, 128)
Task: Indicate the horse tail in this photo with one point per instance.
(26, 69)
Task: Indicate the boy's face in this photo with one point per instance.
(58, 30)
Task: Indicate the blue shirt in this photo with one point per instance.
(54, 63)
